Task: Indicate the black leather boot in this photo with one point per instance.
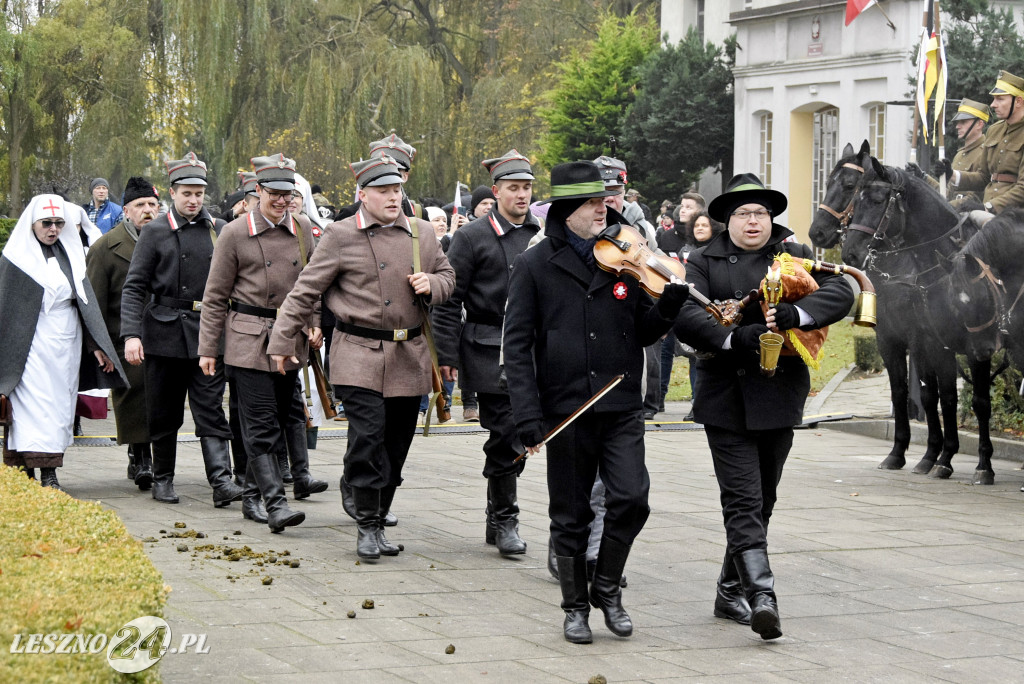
(131, 462)
(501, 491)
(31, 472)
(252, 505)
(491, 530)
(143, 465)
(730, 603)
(217, 458)
(279, 516)
(759, 586)
(387, 495)
(239, 457)
(48, 478)
(304, 483)
(164, 454)
(367, 505)
(390, 519)
(284, 469)
(572, 578)
(605, 592)
(348, 504)
(552, 563)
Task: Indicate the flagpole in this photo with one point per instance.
(940, 107)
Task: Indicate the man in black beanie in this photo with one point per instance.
(481, 202)
(107, 266)
(570, 328)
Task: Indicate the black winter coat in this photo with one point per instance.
(569, 330)
(171, 263)
(482, 253)
(731, 392)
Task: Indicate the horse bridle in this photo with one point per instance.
(1000, 312)
(879, 232)
(846, 214)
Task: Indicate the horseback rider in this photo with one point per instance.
(1001, 173)
(970, 120)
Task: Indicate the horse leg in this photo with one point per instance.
(930, 403)
(894, 357)
(945, 373)
(982, 405)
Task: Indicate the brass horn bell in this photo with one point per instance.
(867, 312)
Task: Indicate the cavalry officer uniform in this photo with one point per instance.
(107, 265)
(749, 418)
(380, 363)
(255, 265)
(482, 253)
(160, 304)
(970, 157)
(1001, 175)
(571, 327)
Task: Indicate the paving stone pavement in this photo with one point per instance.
(881, 576)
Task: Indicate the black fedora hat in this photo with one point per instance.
(577, 180)
(746, 188)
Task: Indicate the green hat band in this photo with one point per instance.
(747, 186)
(576, 189)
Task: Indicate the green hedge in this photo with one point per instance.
(6, 226)
(67, 566)
(1007, 404)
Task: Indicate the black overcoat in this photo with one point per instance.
(731, 392)
(482, 252)
(172, 262)
(569, 330)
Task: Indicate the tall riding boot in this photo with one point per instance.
(505, 509)
(367, 505)
(491, 530)
(305, 484)
(552, 563)
(252, 505)
(131, 462)
(348, 504)
(48, 478)
(730, 603)
(284, 469)
(143, 465)
(605, 592)
(759, 586)
(572, 578)
(240, 458)
(279, 516)
(164, 454)
(218, 471)
(387, 495)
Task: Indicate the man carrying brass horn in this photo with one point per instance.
(748, 416)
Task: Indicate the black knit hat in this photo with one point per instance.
(139, 187)
(481, 193)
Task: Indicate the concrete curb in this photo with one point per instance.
(1002, 448)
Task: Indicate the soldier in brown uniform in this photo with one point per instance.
(970, 120)
(1001, 175)
(380, 363)
(257, 259)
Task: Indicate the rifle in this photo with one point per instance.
(323, 387)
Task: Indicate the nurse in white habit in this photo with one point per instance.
(52, 334)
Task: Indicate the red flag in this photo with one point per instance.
(855, 7)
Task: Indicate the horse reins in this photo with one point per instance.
(846, 214)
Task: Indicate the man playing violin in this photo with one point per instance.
(748, 418)
(570, 327)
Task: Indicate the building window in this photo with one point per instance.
(765, 148)
(700, 19)
(876, 130)
(826, 146)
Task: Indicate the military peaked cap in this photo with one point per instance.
(188, 171)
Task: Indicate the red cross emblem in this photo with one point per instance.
(619, 290)
(51, 207)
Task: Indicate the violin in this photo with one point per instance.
(622, 249)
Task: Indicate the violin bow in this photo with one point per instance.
(575, 414)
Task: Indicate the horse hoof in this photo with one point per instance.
(940, 472)
(925, 467)
(892, 463)
(985, 477)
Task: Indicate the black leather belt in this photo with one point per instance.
(175, 303)
(395, 335)
(261, 311)
(485, 319)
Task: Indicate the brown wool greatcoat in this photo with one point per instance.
(1003, 147)
(256, 269)
(107, 266)
(363, 268)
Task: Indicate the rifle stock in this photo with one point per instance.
(323, 387)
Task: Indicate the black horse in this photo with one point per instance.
(833, 214)
(906, 236)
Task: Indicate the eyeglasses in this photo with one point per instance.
(52, 222)
(760, 214)
(282, 195)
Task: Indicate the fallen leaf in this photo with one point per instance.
(72, 626)
(73, 549)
